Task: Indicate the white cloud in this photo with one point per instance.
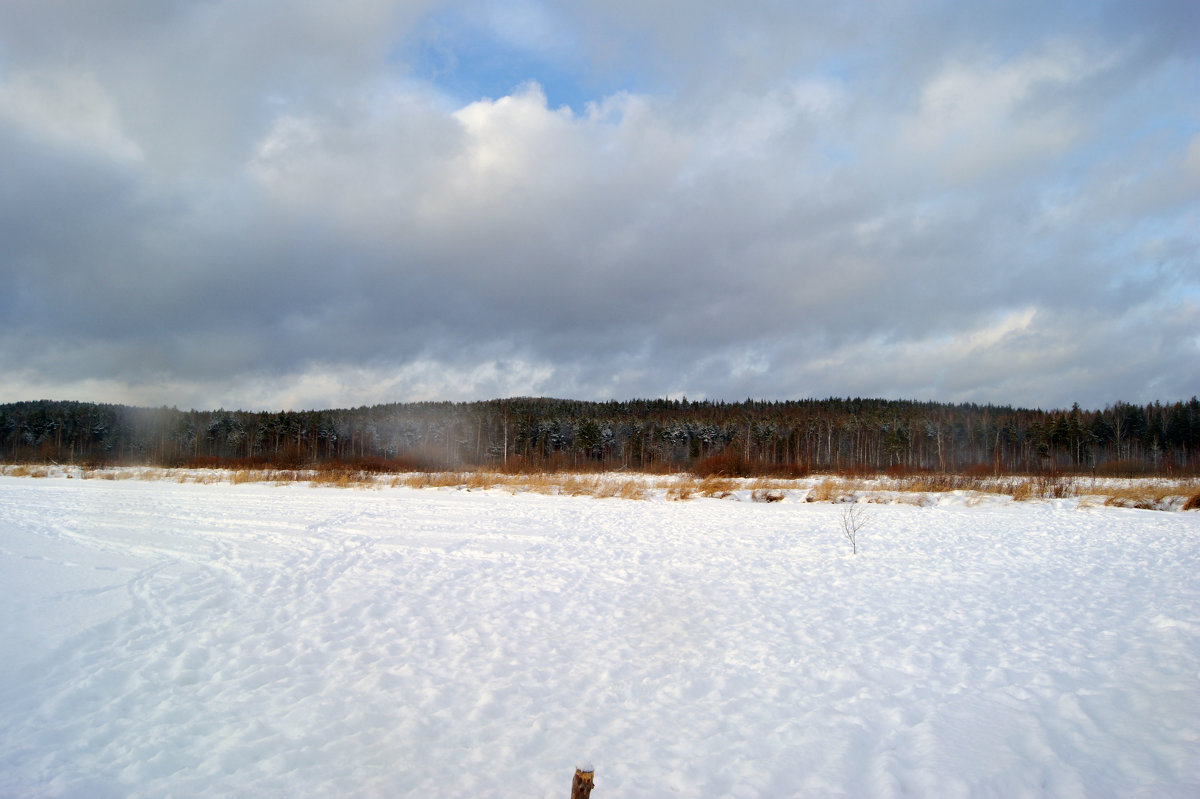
(1030, 356)
(976, 117)
(511, 140)
(314, 385)
(778, 202)
(320, 385)
(69, 108)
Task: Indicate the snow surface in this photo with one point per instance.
(162, 639)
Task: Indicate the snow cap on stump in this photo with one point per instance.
(581, 785)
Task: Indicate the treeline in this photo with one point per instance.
(743, 438)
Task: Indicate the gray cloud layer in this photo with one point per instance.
(271, 205)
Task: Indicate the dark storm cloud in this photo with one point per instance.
(265, 204)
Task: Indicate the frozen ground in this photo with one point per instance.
(160, 639)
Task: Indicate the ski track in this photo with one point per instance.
(165, 639)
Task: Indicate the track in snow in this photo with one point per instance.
(165, 639)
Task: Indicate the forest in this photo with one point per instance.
(794, 437)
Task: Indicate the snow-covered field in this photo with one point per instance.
(161, 639)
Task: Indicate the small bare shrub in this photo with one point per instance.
(854, 518)
(1021, 489)
(1051, 486)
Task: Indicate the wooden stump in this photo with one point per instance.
(581, 786)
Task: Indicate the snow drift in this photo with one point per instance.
(161, 639)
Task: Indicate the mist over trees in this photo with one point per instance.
(742, 438)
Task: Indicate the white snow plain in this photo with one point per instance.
(162, 639)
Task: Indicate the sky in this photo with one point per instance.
(262, 204)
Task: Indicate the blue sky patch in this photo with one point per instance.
(479, 52)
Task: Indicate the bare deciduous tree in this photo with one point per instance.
(854, 518)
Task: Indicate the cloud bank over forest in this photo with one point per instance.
(308, 204)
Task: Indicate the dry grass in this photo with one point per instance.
(681, 489)
(27, 471)
(833, 490)
(1021, 491)
(340, 478)
(772, 484)
(1019, 488)
(119, 474)
(767, 495)
(719, 487)
(245, 476)
(540, 483)
(918, 489)
(1150, 496)
(579, 486)
(572, 484)
(632, 489)
(627, 488)
(480, 481)
(922, 484)
(429, 480)
(606, 489)
(822, 491)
